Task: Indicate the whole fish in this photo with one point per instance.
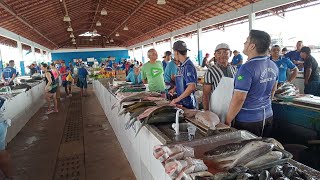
(136, 105)
(136, 97)
(155, 110)
(269, 157)
(250, 151)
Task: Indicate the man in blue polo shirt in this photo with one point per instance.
(237, 59)
(295, 57)
(170, 71)
(255, 83)
(9, 73)
(283, 64)
(186, 79)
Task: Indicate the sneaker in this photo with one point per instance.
(49, 111)
(56, 111)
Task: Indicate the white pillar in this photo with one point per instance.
(142, 54)
(171, 42)
(33, 54)
(20, 51)
(41, 55)
(199, 35)
(133, 53)
(252, 18)
(154, 45)
(1, 62)
(20, 55)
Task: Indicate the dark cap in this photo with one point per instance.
(180, 46)
(167, 53)
(306, 50)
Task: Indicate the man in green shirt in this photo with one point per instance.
(152, 72)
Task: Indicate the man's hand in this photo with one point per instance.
(228, 123)
(174, 101)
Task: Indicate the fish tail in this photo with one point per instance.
(142, 124)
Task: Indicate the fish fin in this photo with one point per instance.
(142, 124)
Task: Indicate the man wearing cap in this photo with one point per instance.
(254, 87)
(9, 73)
(295, 57)
(311, 72)
(237, 59)
(170, 71)
(152, 72)
(218, 83)
(186, 79)
(166, 59)
(205, 62)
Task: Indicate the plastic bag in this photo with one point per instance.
(69, 77)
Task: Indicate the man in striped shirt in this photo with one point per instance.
(213, 77)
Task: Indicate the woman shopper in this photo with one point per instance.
(56, 75)
(50, 89)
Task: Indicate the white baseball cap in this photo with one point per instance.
(222, 46)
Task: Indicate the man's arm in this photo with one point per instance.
(206, 96)
(236, 104)
(190, 88)
(293, 75)
(307, 75)
(274, 89)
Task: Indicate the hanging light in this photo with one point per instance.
(117, 34)
(69, 29)
(161, 2)
(90, 39)
(98, 23)
(74, 43)
(107, 41)
(94, 31)
(111, 40)
(73, 40)
(104, 12)
(126, 28)
(66, 18)
(71, 35)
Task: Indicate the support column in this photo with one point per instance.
(142, 54)
(41, 55)
(199, 35)
(1, 63)
(33, 52)
(252, 18)
(21, 60)
(133, 52)
(171, 43)
(154, 45)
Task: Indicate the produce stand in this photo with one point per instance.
(139, 148)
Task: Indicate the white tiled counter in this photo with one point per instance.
(138, 150)
(22, 107)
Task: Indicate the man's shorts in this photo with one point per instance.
(83, 83)
(66, 83)
(3, 134)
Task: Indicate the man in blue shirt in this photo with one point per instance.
(295, 57)
(170, 72)
(82, 75)
(134, 76)
(255, 83)
(283, 64)
(186, 79)
(9, 73)
(166, 58)
(237, 59)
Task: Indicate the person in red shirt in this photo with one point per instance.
(64, 71)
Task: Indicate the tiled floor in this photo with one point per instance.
(35, 149)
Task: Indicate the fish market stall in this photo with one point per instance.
(196, 144)
(22, 102)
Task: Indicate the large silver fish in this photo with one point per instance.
(269, 157)
(136, 97)
(231, 157)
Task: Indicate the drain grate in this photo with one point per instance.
(70, 162)
(69, 168)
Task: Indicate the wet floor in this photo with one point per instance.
(77, 143)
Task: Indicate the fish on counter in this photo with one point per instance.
(136, 105)
(169, 152)
(208, 118)
(136, 97)
(269, 157)
(287, 89)
(190, 113)
(239, 154)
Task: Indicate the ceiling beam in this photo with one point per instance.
(24, 21)
(200, 5)
(140, 5)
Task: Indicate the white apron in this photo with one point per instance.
(221, 97)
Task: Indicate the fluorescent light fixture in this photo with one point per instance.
(91, 34)
(117, 34)
(71, 35)
(73, 40)
(94, 31)
(161, 2)
(69, 29)
(111, 40)
(126, 28)
(104, 12)
(98, 23)
(66, 18)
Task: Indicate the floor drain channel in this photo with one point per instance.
(70, 162)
